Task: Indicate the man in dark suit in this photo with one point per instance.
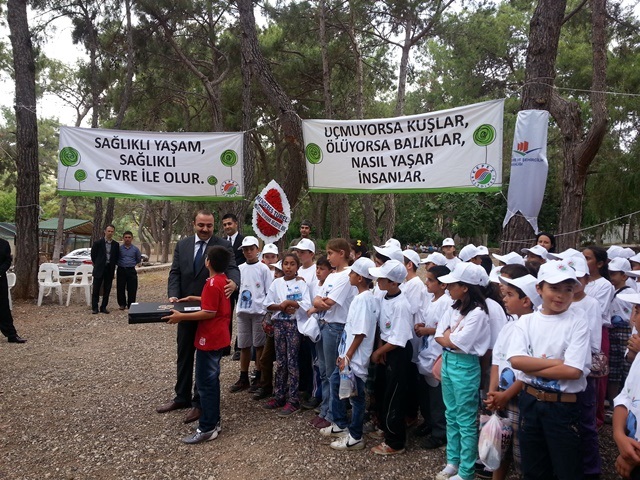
(230, 228)
(187, 276)
(6, 319)
(104, 255)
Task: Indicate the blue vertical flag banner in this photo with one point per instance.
(157, 166)
(455, 150)
(529, 166)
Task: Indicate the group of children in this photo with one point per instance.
(542, 340)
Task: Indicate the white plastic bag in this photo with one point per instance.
(494, 438)
(348, 386)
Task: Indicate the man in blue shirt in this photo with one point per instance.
(127, 277)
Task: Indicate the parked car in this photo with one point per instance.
(70, 261)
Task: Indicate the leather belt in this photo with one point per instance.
(544, 396)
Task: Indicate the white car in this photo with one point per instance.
(72, 260)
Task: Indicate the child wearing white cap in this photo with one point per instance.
(449, 250)
(464, 336)
(627, 410)
(255, 280)
(354, 350)
(392, 357)
(551, 349)
(269, 256)
(306, 249)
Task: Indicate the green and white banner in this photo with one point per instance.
(157, 166)
(455, 150)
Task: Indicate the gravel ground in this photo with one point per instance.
(78, 402)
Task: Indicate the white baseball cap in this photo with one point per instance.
(633, 273)
(362, 265)
(614, 251)
(270, 248)
(468, 252)
(579, 264)
(448, 242)
(527, 284)
(630, 297)
(391, 269)
(511, 258)
(392, 242)
(467, 273)
(435, 257)
(538, 250)
(635, 258)
(619, 264)
(482, 250)
(494, 275)
(390, 252)
(249, 241)
(568, 253)
(627, 253)
(556, 271)
(412, 256)
(278, 265)
(305, 244)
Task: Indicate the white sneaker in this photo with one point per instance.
(347, 442)
(334, 431)
(448, 472)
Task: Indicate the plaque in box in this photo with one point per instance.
(153, 312)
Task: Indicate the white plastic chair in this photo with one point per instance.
(11, 282)
(82, 278)
(49, 281)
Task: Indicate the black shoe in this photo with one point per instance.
(241, 384)
(310, 404)
(104, 310)
(236, 356)
(17, 339)
(431, 443)
(94, 311)
(423, 430)
(262, 393)
(482, 472)
(255, 383)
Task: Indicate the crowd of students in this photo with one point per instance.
(547, 340)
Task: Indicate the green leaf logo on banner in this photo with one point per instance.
(313, 153)
(69, 157)
(484, 135)
(229, 158)
(80, 175)
(211, 180)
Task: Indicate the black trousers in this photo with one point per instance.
(126, 285)
(186, 352)
(6, 319)
(105, 282)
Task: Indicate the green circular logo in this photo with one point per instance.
(69, 157)
(484, 135)
(80, 175)
(211, 180)
(313, 153)
(229, 158)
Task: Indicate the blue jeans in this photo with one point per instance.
(208, 382)
(327, 350)
(339, 407)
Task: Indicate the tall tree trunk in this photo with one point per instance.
(166, 230)
(28, 183)
(289, 120)
(58, 247)
(540, 73)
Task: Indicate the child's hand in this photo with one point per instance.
(311, 311)
(175, 317)
(629, 449)
(496, 401)
(340, 363)
(417, 327)
(379, 357)
(623, 467)
(634, 343)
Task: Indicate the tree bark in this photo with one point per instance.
(289, 120)
(28, 182)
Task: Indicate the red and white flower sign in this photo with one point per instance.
(271, 213)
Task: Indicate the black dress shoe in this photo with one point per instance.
(17, 339)
(236, 356)
(104, 310)
(192, 415)
(172, 405)
(94, 311)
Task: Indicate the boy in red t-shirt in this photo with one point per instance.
(212, 336)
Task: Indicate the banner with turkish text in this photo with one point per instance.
(151, 165)
(457, 150)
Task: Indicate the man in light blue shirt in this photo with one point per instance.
(127, 277)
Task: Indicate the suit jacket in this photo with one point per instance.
(99, 258)
(237, 251)
(5, 264)
(183, 281)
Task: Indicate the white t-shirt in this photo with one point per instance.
(451, 264)
(429, 349)
(564, 336)
(337, 288)
(416, 294)
(396, 323)
(281, 290)
(603, 292)
(629, 397)
(497, 319)
(589, 308)
(621, 310)
(362, 319)
(632, 283)
(255, 280)
(309, 274)
(470, 334)
(507, 375)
